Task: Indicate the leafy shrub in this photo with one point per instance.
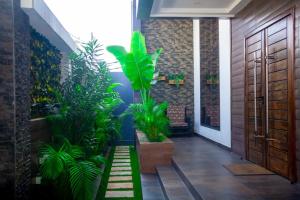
(83, 125)
(151, 119)
(45, 74)
(87, 99)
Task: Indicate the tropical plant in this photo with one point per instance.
(86, 95)
(139, 67)
(151, 118)
(83, 125)
(69, 167)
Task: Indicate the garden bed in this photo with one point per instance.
(152, 154)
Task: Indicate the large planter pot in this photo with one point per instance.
(152, 154)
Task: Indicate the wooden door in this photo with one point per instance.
(269, 98)
(255, 98)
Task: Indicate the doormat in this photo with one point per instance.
(247, 169)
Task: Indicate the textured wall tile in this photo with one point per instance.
(175, 36)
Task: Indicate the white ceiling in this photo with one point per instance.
(197, 8)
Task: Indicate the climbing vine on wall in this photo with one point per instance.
(45, 74)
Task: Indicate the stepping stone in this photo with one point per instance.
(122, 154)
(121, 164)
(127, 185)
(120, 173)
(122, 151)
(119, 194)
(120, 178)
(122, 146)
(122, 157)
(120, 168)
(121, 160)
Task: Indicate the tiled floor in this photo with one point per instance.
(202, 164)
(151, 187)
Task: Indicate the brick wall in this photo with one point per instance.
(209, 67)
(14, 101)
(175, 36)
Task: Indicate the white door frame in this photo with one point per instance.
(224, 135)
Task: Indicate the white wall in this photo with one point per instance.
(224, 135)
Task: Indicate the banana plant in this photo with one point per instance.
(138, 65)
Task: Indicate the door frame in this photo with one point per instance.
(291, 89)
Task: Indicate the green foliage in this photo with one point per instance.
(139, 67)
(70, 168)
(87, 101)
(176, 77)
(45, 74)
(83, 126)
(151, 119)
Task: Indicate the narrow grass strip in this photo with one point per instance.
(136, 176)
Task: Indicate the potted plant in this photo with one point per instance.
(212, 79)
(154, 148)
(176, 79)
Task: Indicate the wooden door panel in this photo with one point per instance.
(278, 66)
(269, 96)
(278, 46)
(282, 24)
(278, 76)
(278, 105)
(278, 81)
(255, 112)
(276, 37)
(278, 86)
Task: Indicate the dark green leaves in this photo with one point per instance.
(82, 176)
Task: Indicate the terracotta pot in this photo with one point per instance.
(152, 154)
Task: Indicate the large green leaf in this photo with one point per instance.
(140, 72)
(138, 66)
(119, 52)
(82, 177)
(54, 162)
(138, 45)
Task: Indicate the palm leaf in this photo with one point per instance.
(54, 162)
(82, 177)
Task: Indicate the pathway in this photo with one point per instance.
(120, 182)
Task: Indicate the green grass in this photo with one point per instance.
(136, 178)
